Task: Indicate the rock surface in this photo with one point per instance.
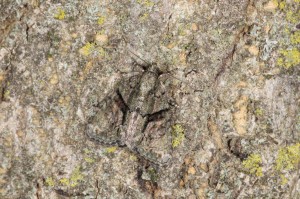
(198, 99)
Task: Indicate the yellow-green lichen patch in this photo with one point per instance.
(101, 52)
(86, 151)
(146, 3)
(101, 20)
(144, 16)
(65, 181)
(288, 157)
(295, 38)
(292, 16)
(282, 5)
(89, 160)
(284, 180)
(259, 112)
(50, 182)
(177, 135)
(60, 14)
(76, 176)
(253, 164)
(111, 149)
(289, 58)
(87, 49)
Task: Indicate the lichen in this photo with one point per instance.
(87, 49)
(284, 180)
(289, 58)
(153, 174)
(282, 5)
(292, 17)
(146, 3)
(111, 149)
(177, 135)
(253, 164)
(89, 159)
(295, 38)
(288, 157)
(101, 20)
(50, 182)
(65, 181)
(101, 52)
(60, 15)
(144, 16)
(76, 176)
(259, 112)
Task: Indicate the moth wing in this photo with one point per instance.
(105, 124)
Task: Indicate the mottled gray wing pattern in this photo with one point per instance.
(104, 126)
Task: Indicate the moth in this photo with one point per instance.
(137, 114)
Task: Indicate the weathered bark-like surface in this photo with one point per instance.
(149, 99)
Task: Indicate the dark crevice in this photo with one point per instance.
(38, 189)
(122, 105)
(228, 60)
(98, 189)
(27, 32)
(154, 117)
(235, 149)
(67, 194)
(157, 115)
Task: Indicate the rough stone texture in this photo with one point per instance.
(230, 69)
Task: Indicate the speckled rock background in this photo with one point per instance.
(233, 71)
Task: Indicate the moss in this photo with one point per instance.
(50, 182)
(111, 149)
(295, 38)
(253, 164)
(289, 58)
(288, 157)
(177, 135)
(60, 15)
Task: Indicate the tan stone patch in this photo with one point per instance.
(240, 115)
(203, 167)
(54, 79)
(271, 6)
(241, 84)
(194, 27)
(101, 39)
(182, 58)
(215, 133)
(191, 170)
(2, 171)
(201, 192)
(253, 50)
